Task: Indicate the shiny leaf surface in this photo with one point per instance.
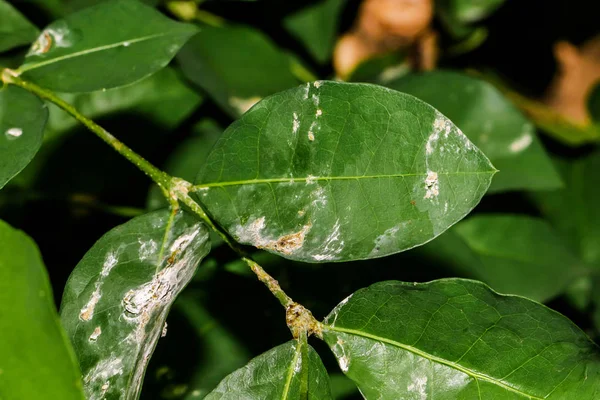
(291, 371)
(117, 299)
(36, 358)
(337, 171)
(492, 123)
(457, 339)
(22, 120)
(140, 42)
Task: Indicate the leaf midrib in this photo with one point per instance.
(473, 374)
(304, 180)
(291, 368)
(29, 67)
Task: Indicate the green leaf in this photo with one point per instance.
(22, 120)
(236, 65)
(467, 11)
(574, 210)
(36, 358)
(316, 27)
(287, 372)
(341, 171)
(492, 123)
(457, 339)
(15, 29)
(140, 42)
(187, 158)
(513, 254)
(116, 300)
(593, 103)
(163, 97)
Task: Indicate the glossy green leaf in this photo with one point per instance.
(291, 371)
(187, 158)
(492, 123)
(22, 120)
(236, 65)
(140, 42)
(15, 29)
(117, 299)
(36, 358)
(574, 210)
(457, 339)
(163, 98)
(316, 27)
(513, 254)
(337, 171)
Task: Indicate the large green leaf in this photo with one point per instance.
(112, 44)
(457, 339)
(513, 254)
(236, 65)
(316, 27)
(15, 29)
(117, 299)
(341, 171)
(36, 358)
(22, 120)
(574, 210)
(291, 371)
(492, 123)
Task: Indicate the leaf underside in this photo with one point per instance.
(336, 171)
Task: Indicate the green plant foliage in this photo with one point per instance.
(492, 123)
(336, 171)
(22, 120)
(292, 370)
(457, 339)
(15, 29)
(117, 299)
(236, 66)
(469, 11)
(574, 210)
(314, 28)
(140, 42)
(509, 252)
(36, 358)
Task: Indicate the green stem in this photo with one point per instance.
(158, 176)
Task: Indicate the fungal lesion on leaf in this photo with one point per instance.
(288, 244)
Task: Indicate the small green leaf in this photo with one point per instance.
(15, 29)
(36, 358)
(22, 120)
(287, 372)
(457, 339)
(140, 42)
(513, 254)
(236, 65)
(316, 27)
(574, 210)
(492, 123)
(116, 300)
(338, 171)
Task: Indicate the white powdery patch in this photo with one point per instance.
(94, 336)
(319, 198)
(332, 246)
(432, 188)
(14, 133)
(317, 84)
(318, 113)
(306, 91)
(243, 105)
(521, 143)
(96, 381)
(295, 124)
(311, 179)
(252, 233)
(316, 100)
(385, 240)
(311, 131)
(340, 354)
(147, 249)
(418, 386)
(87, 312)
(58, 35)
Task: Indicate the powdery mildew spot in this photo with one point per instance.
(14, 133)
(521, 143)
(432, 188)
(332, 245)
(319, 113)
(385, 240)
(147, 249)
(94, 336)
(58, 35)
(311, 133)
(317, 84)
(87, 312)
(243, 105)
(287, 244)
(306, 91)
(311, 179)
(319, 198)
(419, 387)
(340, 354)
(96, 381)
(295, 124)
